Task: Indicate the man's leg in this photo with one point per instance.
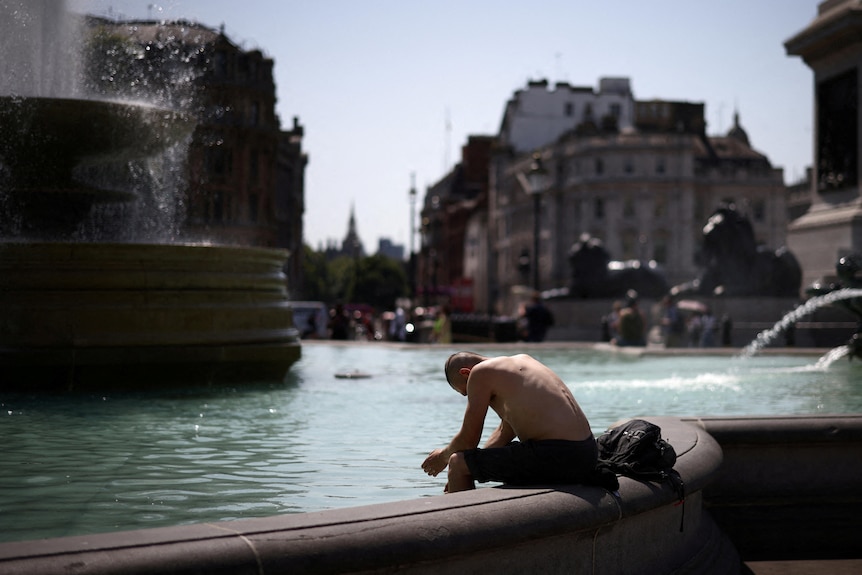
(460, 478)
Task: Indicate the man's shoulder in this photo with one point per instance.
(503, 363)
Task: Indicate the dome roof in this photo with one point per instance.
(737, 131)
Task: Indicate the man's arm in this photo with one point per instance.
(502, 436)
(478, 400)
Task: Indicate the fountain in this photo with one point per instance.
(86, 298)
(837, 295)
(847, 292)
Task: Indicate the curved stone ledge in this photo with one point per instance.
(789, 486)
(555, 529)
(87, 315)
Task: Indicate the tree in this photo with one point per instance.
(380, 281)
(316, 284)
(376, 280)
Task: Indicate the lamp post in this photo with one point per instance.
(537, 181)
(412, 263)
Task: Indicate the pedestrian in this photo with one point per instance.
(538, 318)
(441, 332)
(339, 323)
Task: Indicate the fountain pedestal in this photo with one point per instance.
(84, 315)
(77, 314)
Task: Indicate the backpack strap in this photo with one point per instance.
(673, 477)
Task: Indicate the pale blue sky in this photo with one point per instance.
(376, 82)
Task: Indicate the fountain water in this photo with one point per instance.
(765, 337)
(85, 303)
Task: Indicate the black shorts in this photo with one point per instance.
(534, 462)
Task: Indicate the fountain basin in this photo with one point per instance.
(55, 153)
(42, 140)
(80, 315)
(545, 529)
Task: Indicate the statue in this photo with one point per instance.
(595, 275)
(736, 266)
(849, 272)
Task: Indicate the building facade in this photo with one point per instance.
(244, 180)
(644, 185)
(537, 115)
(443, 274)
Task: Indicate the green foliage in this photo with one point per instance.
(376, 280)
(380, 281)
(315, 271)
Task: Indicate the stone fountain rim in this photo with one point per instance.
(13, 252)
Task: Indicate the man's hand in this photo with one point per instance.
(436, 462)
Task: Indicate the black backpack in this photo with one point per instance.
(636, 449)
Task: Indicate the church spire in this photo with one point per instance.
(352, 245)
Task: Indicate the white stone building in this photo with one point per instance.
(536, 116)
(643, 177)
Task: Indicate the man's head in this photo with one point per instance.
(458, 368)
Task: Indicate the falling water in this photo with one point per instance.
(765, 337)
(831, 357)
(40, 48)
(49, 52)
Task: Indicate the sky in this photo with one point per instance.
(388, 91)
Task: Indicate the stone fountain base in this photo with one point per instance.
(82, 315)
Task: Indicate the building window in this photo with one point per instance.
(219, 161)
(660, 167)
(252, 208)
(253, 167)
(837, 133)
(599, 208)
(629, 166)
(628, 207)
(629, 245)
(220, 64)
(659, 250)
(217, 207)
(569, 110)
(758, 210)
(659, 205)
(600, 166)
(616, 111)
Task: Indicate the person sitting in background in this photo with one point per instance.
(631, 325)
(672, 323)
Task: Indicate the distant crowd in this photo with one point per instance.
(688, 323)
(672, 323)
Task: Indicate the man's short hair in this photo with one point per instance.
(460, 359)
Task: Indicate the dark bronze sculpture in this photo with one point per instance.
(735, 266)
(849, 272)
(595, 275)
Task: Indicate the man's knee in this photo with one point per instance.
(458, 463)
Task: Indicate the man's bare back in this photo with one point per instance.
(531, 398)
(534, 405)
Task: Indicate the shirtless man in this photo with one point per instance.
(556, 444)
